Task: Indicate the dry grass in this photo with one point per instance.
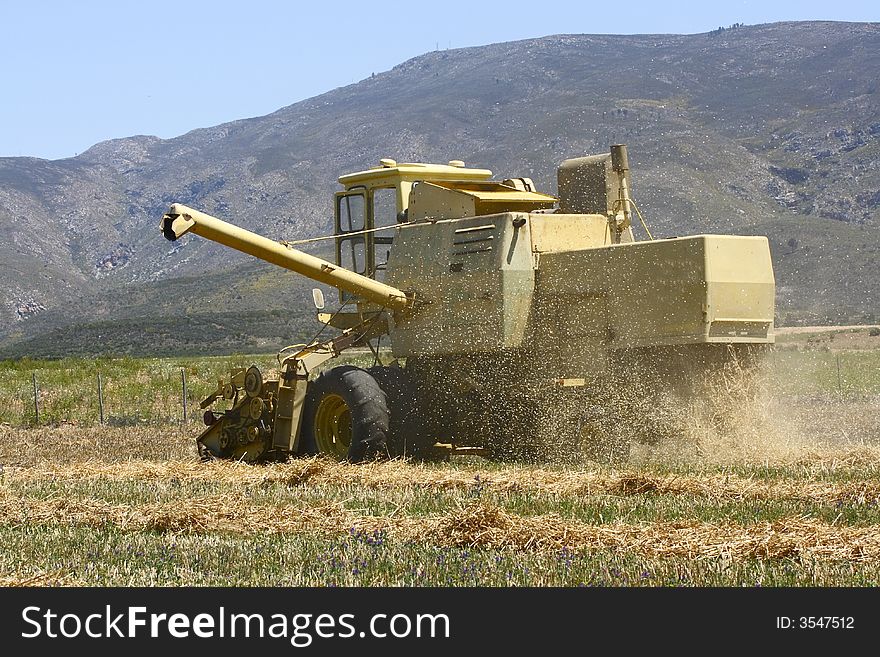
(69, 443)
(58, 578)
(474, 525)
(485, 526)
(403, 475)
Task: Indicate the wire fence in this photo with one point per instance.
(117, 392)
(45, 404)
(841, 374)
(164, 392)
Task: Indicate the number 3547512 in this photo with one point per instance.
(816, 622)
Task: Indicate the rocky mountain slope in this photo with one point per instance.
(769, 129)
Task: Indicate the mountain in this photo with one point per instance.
(767, 129)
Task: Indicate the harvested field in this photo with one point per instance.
(476, 525)
(783, 492)
(811, 520)
(400, 475)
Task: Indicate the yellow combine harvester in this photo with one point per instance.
(519, 316)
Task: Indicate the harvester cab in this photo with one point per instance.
(380, 200)
(517, 315)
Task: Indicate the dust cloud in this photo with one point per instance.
(728, 413)
(739, 416)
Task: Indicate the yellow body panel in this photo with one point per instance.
(569, 232)
(430, 200)
(669, 292)
(515, 281)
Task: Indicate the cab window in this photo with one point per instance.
(384, 214)
(350, 212)
(351, 218)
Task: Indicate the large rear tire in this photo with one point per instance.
(345, 416)
(409, 433)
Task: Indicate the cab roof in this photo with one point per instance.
(390, 172)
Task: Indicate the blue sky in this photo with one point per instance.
(76, 73)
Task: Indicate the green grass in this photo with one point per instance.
(112, 555)
(106, 557)
(135, 390)
(816, 372)
(591, 509)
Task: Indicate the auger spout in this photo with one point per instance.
(180, 220)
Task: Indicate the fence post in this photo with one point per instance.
(839, 386)
(183, 385)
(100, 399)
(36, 399)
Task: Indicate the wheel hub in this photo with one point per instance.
(333, 427)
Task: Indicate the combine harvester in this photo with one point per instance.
(526, 322)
